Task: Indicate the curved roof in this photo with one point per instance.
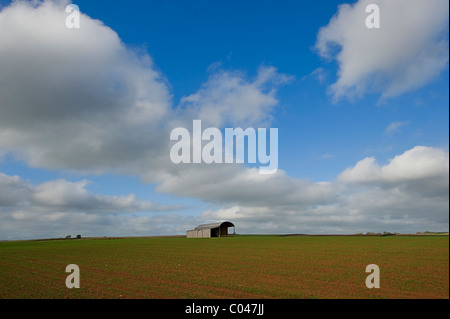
(214, 225)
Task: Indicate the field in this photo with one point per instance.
(252, 267)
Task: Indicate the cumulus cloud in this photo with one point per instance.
(403, 54)
(58, 207)
(63, 195)
(13, 190)
(228, 98)
(408, 194)
(75, 98)
(419, 163)
(237, 185)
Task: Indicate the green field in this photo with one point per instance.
(235, 267)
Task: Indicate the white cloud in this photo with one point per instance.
(239, 185)
(230, 99)
(418, 164)
(75, 99)
(406, 195)
(59, 207)
(65, 196)
(394, 127)
(13, 190)
(406, 52)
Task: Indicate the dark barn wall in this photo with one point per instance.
(215, 232)
(223, 231)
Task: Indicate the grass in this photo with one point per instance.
(239, 267)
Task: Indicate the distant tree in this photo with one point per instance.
(68, 236)
(386, 233)
(78, 236)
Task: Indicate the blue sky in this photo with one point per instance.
(339, 98)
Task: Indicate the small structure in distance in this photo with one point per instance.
(211, 230)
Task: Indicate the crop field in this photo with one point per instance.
(250, 267)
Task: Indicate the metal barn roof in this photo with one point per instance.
(214, 225)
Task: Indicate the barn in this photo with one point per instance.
(211, 230)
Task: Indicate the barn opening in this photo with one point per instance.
(212, 230)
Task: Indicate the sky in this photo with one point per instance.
(86, 116)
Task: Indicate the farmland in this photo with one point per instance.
(253, 267)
